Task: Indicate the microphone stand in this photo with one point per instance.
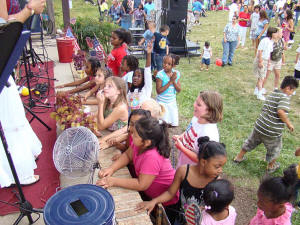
(25, 206)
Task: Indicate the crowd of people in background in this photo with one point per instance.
(140, 124)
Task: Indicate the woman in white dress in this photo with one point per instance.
(23, 144)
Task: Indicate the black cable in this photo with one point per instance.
(19, 207)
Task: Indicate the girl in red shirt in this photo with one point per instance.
(119, 40)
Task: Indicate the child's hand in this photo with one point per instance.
(100, 97)
(88, 94)
(103, 145)
(105, 172)
(177, 137)
(148, 206)
(291, 127)
(112, 141)
(62, 93)
(149, 47)
(173, 77)
(60, 86)
(106, 182)
(297, 152)
(179, 145)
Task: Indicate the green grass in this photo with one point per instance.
(236, 85)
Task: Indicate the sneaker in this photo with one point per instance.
(255, 91)
(261, 97)
(263, 91)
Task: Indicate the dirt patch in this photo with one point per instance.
(244, 202)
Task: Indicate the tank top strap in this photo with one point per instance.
(187, 171)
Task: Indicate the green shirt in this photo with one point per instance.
(268, 123)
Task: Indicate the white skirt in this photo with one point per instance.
(171, 114)
(23, 144)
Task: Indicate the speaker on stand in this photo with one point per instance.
(174, 14)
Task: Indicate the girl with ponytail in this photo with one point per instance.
(149, 152)
(191, 180)
(274, 196)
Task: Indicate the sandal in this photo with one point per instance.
(275, 167)
(239, 161)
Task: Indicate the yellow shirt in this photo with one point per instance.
(298, 170)
(103, 7)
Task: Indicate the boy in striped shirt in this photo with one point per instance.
(269, 125)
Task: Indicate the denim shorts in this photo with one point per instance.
(206, 61)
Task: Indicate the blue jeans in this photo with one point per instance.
(158, 61)
(139, 23)
(152, 60)
(297, 16)
(228, 51)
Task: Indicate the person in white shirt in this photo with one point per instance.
(262, 59)
(206, 55)
(233, 10)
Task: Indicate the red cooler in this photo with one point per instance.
(65, 48)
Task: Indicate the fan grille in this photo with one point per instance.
(76, 152)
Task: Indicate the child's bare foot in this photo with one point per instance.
(201, 68)
(206, 69)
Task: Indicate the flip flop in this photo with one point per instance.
(239, 161)
(274, 168)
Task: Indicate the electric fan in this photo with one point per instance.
(75, 152)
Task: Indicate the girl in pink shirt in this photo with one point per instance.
(149, 152)
(191, 181)
(274, 194)
(217, 196)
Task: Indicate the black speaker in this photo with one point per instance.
(176, 19)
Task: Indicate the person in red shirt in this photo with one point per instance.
(244, 18)
(119, 40)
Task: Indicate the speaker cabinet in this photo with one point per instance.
(176, 19)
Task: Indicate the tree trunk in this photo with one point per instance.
(66, 13)
(50, 12)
